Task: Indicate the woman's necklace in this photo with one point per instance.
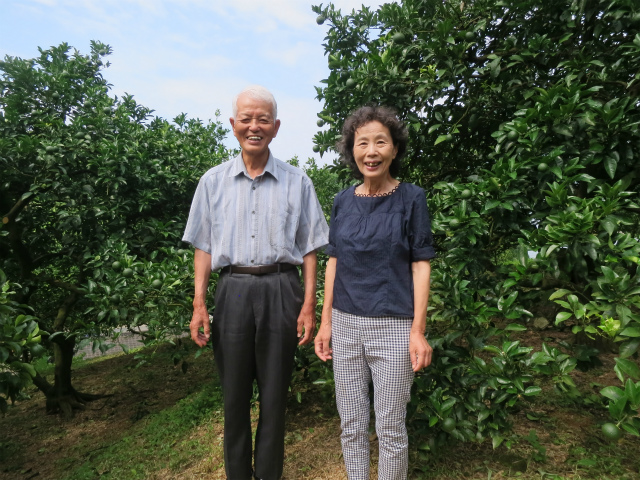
(376, 194)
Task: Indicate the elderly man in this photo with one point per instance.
(255, 218)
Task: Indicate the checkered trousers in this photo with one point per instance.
(365, 349)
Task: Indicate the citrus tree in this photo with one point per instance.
(94, 197)
(523, 123)
(19, 337)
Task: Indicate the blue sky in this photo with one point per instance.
(192, 56)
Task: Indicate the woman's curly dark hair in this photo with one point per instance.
(387, 117)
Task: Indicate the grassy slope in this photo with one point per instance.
(164, 424)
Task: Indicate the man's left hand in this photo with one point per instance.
(306, 323)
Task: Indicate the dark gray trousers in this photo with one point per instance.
(254, 337)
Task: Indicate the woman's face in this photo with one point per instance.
(373, 150)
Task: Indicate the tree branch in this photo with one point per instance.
(16, 209)
(74, 289)
(42, 384)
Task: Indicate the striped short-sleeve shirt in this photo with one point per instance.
(272, 218)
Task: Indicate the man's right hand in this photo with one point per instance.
(200, 319)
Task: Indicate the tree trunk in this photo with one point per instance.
(62, 398)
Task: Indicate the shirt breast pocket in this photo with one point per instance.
(282, 230)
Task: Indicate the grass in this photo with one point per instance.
(163, 441)
(163, 424)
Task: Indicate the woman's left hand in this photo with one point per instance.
(420, 351)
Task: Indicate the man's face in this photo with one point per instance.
(254, 125)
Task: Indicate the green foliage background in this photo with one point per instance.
(523, 121)
(95, 195)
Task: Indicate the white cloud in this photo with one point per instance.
(298, 117)
(292, 56)
(291, 13)
(192, 56)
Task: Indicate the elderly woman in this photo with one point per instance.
(376, 292)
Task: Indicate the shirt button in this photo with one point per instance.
(251, 261)
(253, 188)
(253, 236)
(253, 211)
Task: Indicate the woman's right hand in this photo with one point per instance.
(322, 341)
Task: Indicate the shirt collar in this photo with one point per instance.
(239, 167)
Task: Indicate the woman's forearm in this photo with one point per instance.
(329, 278)
(421, 272)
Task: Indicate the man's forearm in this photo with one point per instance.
(309, 278)
(202, 268)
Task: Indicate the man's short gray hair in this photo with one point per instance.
(256, 92)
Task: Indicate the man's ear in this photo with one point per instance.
(277, 127)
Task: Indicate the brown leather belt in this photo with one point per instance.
(259, 269)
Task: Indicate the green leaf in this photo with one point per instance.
(557, 171)
(433, 128)
(612, 393)
(516, 327)
(533, 390)
(632, 391)
(609, 225)
(550, 249)
(483, 415)
(442, 138)
(540, 358)
(29, 368)
(562, 316)
(491, 204)
(492, 349)
(565, 37)
(630, 332)
(561, 292)
(610, 166)
(447, 404)
(509, 300)
(563, 130)
(628, 348)
(618, 372)
(616, 408)
(631, 429)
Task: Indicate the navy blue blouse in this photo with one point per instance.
(375, 240)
